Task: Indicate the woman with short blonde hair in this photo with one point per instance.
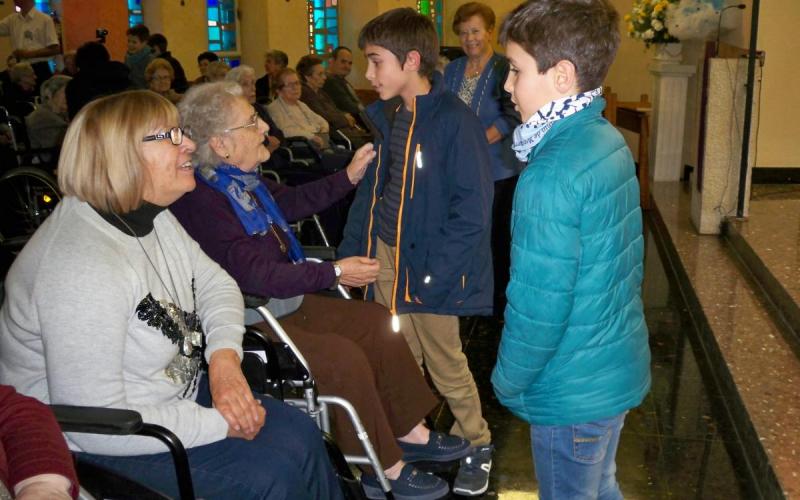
(111, 304)
(159, 75)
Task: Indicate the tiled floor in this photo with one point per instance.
(672, 446)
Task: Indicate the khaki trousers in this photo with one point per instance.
(435, 342)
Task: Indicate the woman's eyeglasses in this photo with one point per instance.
(252, 123)
(175, 134)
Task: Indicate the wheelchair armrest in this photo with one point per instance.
(254, 301)
(94, 420)
(320, 252)
(113, 421)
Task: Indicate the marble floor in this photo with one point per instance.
(673, 446)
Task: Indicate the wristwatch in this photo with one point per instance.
(337, 272)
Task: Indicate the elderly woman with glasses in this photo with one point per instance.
(159, 76)
(292, 115)
(241, 221)
(112, 304)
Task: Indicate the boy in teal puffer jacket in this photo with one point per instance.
(574, 356)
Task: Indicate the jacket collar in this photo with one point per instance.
(594, 110)
(425, 104)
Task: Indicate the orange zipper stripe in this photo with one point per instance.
(372, 210)
(398, 233)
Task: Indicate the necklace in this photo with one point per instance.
(185, 364)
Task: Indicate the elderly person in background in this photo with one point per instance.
(159, 75)
(293, 116)
(478, 78)
(312, 73)
(336, 85)
(241, 220)
(110, 304)
(48, 123)
(19, 98)
(274, 62)
(216, 71)
(245, 76)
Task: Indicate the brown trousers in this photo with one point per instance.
(354, 354)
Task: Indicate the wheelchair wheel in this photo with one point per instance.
(27, 196)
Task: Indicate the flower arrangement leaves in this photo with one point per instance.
(648, 21)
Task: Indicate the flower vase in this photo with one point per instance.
(668, 52)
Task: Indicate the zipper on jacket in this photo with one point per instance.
(371, 212)
(417, 164)
(398, 232)
(463, 281)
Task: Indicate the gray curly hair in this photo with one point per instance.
(239, 72)
(204, 114)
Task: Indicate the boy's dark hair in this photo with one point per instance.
(335, 53)
(207, 56)
(306, 63)
(400, 31)
(91, 55)
(583, 32)
(158, 40)
(279, 57)
(474, 9)
(140, 31)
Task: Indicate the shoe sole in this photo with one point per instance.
(420, 457)
(470, 493)
(374, 493)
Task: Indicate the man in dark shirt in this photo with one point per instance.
(158, 43)
(337, 86)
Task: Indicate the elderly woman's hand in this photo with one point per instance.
(358, 271)
(232, 396)
(358, 165)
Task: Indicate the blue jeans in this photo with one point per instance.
(286, 460)
(577, 461)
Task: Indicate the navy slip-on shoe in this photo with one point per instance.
(412, 484)
(439, 448)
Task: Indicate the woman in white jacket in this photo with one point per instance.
(112, 304)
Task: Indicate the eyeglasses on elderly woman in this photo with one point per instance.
(175, 134)
(253, 122)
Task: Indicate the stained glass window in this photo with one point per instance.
(222, 25)
(323, 26)
(43, 6)
(135, 15)
(435, 10)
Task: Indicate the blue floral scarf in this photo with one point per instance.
(530, 133)
(256, 218)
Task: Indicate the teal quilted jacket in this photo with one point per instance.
(575, 343)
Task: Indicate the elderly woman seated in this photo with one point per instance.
(312, 73)
(241, 221)
(245, 76)
(112, 304)
(159, 75)
(292, 115)
(19, 97)
(48, 123)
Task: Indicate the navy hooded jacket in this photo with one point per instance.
(444, 219)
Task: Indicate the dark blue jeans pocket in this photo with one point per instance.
(590, 441)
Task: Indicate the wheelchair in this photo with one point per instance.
(28, 193)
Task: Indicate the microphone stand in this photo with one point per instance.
(748, 109)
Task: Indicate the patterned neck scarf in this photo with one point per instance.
(256, 218)
(530, 133)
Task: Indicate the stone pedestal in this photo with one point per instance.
(669, 119)
(722, 152)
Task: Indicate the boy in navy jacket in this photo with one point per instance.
(424, 211)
